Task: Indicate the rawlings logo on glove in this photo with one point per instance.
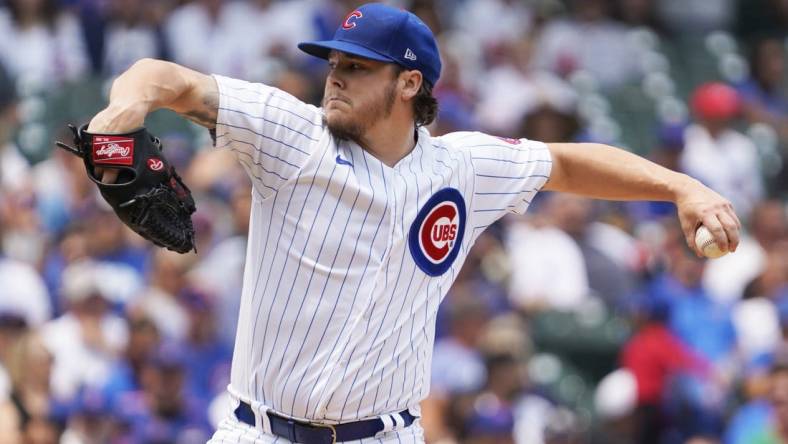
(149, 196)
(113, 150)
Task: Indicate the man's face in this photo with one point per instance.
(359, 92)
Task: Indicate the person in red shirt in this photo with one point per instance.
(654, 354)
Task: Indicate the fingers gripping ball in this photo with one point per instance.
(148, 194)
(704, 240)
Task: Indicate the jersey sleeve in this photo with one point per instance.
(507, 173)
(271, 132)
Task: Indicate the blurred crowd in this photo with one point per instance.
(583, 322)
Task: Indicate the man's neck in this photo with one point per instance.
(389, 142)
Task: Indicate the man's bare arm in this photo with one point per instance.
(149, 85)
(604, 172)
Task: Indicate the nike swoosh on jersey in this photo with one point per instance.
(342, 161)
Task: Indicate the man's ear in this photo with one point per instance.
(411, 83)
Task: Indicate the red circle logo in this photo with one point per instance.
(438, 232)
(435, 236)
(155, 164)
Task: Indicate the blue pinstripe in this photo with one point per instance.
(509, 161)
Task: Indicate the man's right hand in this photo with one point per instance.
(116, 119)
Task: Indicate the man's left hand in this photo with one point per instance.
(698, 205)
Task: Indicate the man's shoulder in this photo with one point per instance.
(465, 140)
(239, 94)
(460, 140)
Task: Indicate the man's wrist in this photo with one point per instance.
(680, 185)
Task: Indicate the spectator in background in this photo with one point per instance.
(206, 357)
(588, 41)
(276, 27)
(492, 23)
(696, 16)
(165, 410)
(454, 91)
(91, 420)
(654, 355)
(64, 191)
(615, 401)
(42, 46)
(239, 39)
(513, 89)
(591, 262)
(159, 302)
(23, 238)
(557, 277)
(552, 121)
(14, 166)
(764, 420)
(205, 35)
(695, 402)
(728, 277)
(491, 420)
(759, 17)
(690, 304)
(23, 293)
(30, 366)
(130, 34)
(457, 365)
(88, 338)
(220, 271)
(638, 13)
(763, 95)
(718, 155)
(458, 370)
(126, 375)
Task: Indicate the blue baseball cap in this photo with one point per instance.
(387, 34)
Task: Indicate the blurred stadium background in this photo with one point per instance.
(584, 322)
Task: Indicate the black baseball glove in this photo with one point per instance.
(148, 195)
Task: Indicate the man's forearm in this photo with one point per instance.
(149, 84)
(604, 172)
(152, 84)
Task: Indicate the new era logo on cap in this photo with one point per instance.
(409, 54)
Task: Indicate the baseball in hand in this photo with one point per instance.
(706, 244)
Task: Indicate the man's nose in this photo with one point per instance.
(334, 80)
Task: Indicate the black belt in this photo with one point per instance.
(310, 433)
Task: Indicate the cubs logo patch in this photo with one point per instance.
(435, 237)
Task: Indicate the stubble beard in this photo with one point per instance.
(354, 128)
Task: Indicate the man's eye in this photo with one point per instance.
(355, 66)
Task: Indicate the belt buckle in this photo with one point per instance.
(330, 427)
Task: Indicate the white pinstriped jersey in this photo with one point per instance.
(348, 258)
